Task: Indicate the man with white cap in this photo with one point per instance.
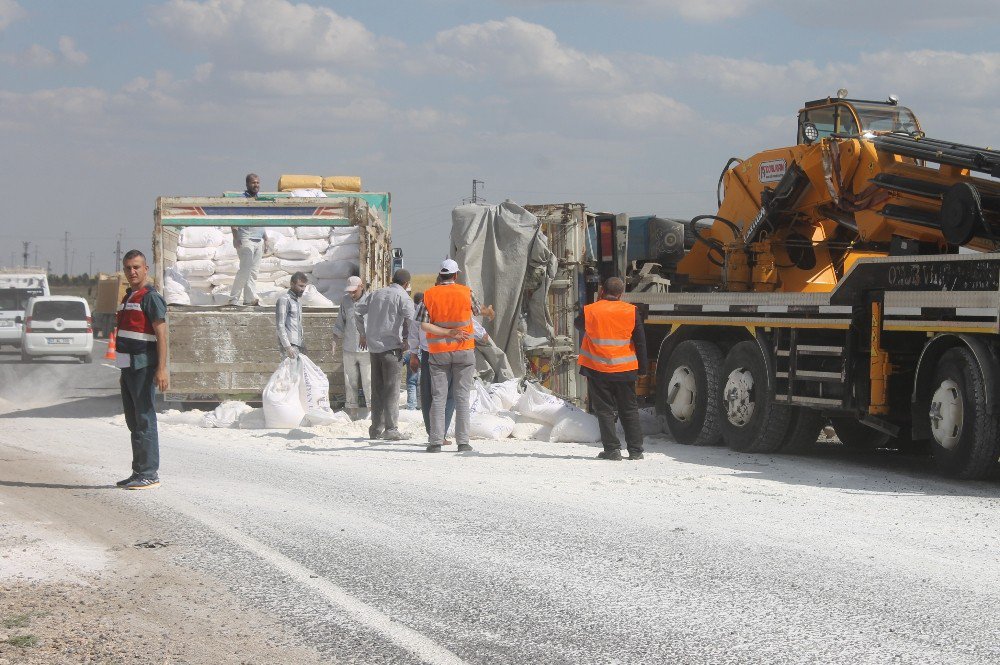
(357, 362)
(446, 318)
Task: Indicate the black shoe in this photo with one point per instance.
(393, 435)
(612, 455)
(433, 449)
(374, 434)
(123, 483)
(142, 484)
(464, 447)
(635, 456)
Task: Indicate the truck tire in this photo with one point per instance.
(803, 431)
(856, 436)
(965, 434)
(751, 420)
(688, 401)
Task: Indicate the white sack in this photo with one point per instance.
(508, 393)
(542, 405)
(301, 265)
(577, 427)
(189, 269)
(280, 232)
(269, 298)
(175, 287)
(294, 250)
(312, 232)
(284, 396)
(193, 417)
(351, 252)
(490, 426)
(341, 269)
(227, 267)
(225, 251)
(284, 282)
(308, 193)
(201, 298)
(317, 392)
(529, 429)
(200, 236)
(220, 279)
(481, 402)
(226, 414)
(269, 264)
(344, 234)
(176, 297)
(195, 253)
(319, 244)
(311, 297)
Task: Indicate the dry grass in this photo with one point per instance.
(420, 283)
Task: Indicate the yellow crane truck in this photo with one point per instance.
(852, 278)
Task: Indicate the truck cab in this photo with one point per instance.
(17, 286)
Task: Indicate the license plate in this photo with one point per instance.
(7, 324)
(57, 340)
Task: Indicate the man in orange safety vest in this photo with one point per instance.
(612, 357)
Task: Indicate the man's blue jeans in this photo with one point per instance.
(140, 416)
(412, 384)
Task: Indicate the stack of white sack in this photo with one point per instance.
(568, 423)
(298, 393)
(207, 264)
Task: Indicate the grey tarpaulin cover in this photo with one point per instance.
(505, 260)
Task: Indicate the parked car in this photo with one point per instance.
(57, 326)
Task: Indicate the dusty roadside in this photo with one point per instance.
(83, 582)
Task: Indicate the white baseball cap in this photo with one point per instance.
(353, 284)
(448, 267)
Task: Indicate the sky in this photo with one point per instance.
(625, 106)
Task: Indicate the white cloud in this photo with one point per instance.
(642, 111)
(37, 55)
(519, 52)
(316, 82)
(268, 32)
(694, 10)
(69, 51)
(10, 11)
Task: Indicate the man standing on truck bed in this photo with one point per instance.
(612, 357)
(249, 244)
(288, 317)
(388, 311)
(357, 362)
(141, 354)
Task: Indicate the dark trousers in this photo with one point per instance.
(386, 370)
(140, 415)
(426, 397)
(611, 400)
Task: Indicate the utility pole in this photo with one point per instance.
(66, 253)
(118, 252)
(72, 260)
(25, 255)
(90, 270)
(36, 254)
(475, 192)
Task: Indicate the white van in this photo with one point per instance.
(17, 286)
(57, 326)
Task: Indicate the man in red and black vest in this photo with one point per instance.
(141, 354)
(612, 357)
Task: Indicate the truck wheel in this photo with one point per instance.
(751, 421)
(965, 434)
(688, 400)
(856, 436)
(803, 431)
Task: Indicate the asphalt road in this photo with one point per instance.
(532, 552)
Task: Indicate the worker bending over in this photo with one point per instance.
(612, 357)
(446, 318)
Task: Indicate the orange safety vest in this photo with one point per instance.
(607, 343)
(449, 306)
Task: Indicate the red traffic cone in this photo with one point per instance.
(110, 355)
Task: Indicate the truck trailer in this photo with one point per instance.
(222, 353)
